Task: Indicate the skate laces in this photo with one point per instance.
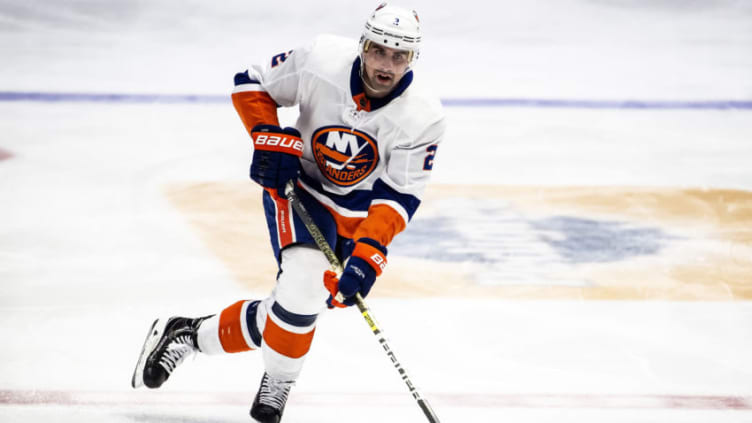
(176, 352)
(274, 392)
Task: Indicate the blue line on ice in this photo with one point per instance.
(72, 97)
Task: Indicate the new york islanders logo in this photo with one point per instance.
(345, 156)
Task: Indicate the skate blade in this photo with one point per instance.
(150, 343)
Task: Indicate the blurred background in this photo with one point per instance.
(584, 252)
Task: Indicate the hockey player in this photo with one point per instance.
(360, 154)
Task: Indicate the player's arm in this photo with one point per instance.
(397, 193)
(252, 102)
(256, 96)
(396, 197)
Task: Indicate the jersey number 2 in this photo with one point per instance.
(280, 58)
(428, 162)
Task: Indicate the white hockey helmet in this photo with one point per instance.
(393, 27)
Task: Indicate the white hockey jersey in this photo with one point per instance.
(363, 158)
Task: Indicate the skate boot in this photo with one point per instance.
(270, 400)
(168, 343)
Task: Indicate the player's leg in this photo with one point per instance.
(282, 325)
(292, 309)
(170, 341)
(291, 314)
(240, 326)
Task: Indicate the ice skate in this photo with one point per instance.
(169, 342)
(270, 400)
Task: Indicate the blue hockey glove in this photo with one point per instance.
(276, 156)
(367, 261)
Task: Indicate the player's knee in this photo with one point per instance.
(300, 287)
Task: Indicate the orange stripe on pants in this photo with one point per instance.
(231, 329)
(284, 219)
(289, 344)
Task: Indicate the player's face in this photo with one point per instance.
(384, 68)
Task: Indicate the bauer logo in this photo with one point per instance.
(276, 143)
(378, 261)
(344, 156)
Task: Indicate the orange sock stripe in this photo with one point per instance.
(231, 329)
(289, 344)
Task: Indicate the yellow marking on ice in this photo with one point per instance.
(713, 261)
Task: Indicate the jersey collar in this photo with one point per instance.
(359, 94)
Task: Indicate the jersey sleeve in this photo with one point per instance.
(261, 89)
(397, 193)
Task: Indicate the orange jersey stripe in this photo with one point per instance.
(382, 224)
(255, 107)
(231, 329)
(289, 344)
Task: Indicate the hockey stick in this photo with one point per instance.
(318, 237)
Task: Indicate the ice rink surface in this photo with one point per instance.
(584, 253)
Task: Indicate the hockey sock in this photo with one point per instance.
(233, 330)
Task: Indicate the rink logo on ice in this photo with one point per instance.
(514, 249)
(579, 240)
(345, 156)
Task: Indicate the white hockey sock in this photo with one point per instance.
(208, 336)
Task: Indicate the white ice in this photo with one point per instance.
(91, 251)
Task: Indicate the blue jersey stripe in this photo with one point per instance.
(355, 200)
(382, 191)
(243, 78)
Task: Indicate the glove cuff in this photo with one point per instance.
(372, 252)
(274, 138)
